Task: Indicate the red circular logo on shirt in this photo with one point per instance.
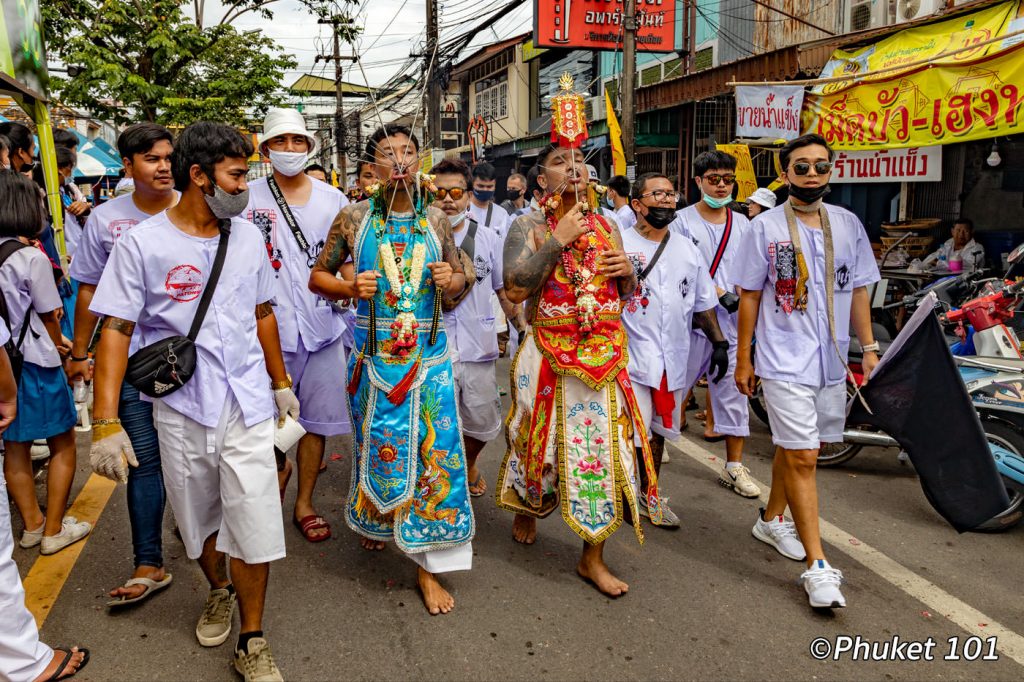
(184, 283)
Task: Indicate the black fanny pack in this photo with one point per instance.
(163, 367)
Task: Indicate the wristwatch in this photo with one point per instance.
(872, 347)
(283, 384)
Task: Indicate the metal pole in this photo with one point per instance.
(433, 89)
(339, 114)
(628, 89)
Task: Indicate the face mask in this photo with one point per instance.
(483, 196)
(456, 220)
(288, 163)
(226, 206)
(808, 195)
(658, 216)
(610, 203)
(715, 202)
(514, 194)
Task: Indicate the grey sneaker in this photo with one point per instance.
(215, 623)
(821, 583)
(668, 517)
(780, 534)
(257, 664)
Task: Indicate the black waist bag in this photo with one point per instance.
(163, 367)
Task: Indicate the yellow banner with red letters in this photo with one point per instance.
(974, 100)
(746, 179)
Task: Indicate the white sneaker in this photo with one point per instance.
(39, 450)
(781, 535)
(738, 478)
(822, 582)
(32, 538)
(70, 533)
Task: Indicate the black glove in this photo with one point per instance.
(729, 301)
(719, 360)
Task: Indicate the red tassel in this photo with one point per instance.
(357, 371)
(397, 394)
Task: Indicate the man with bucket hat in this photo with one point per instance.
(294, 212)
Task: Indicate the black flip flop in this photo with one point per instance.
(68, 654)
(714, 439)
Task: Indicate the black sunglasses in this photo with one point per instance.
(803, 168)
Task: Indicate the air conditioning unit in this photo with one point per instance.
(595, 108)
(864, 14)
(909, 10)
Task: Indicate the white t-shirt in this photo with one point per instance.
(676, 288)
(972, 255)
(797, 346)
(471, 330)
(5, 335)
(103, 227)
(26, 280)
(625, 216)
(499, 219)
(155, 278)
(301, 314)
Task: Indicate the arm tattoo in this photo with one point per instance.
(264, 309)
(117, 324)
(527, 267)
(707, 322)
(626, 285)
(341, 238)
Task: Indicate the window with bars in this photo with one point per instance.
(492, 100)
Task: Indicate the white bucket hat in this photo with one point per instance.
(284, 122)
(764, 196)
(592, 172)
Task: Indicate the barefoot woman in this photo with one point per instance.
(409, 471)
(570, 432)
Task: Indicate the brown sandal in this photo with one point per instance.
(308, 524)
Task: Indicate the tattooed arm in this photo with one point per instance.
(528, 264)
(270, 341)
(111, 362)
(337, 248)
(462, 274)
(627, 280)
(707, 322)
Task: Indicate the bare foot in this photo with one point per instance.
(151, 572)
(477, 486)
(524, 529)
(69, 669)
(435, 598)
(595, 571)
(371, 545)
(283, 476)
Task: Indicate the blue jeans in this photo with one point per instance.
(146, 496)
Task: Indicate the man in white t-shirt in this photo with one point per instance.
(472, 336)
(960, 245)
(803, 268)
(717, 231)
(310, 327)
(145, 148)
(618, 196)
(216, 430)
(674, 294)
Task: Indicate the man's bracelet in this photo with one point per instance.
(75, 358)
(102, 422)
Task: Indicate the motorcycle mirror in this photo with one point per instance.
(1016, 255)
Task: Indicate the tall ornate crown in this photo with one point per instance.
(568, 118)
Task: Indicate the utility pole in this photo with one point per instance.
(433, 89)
(628, 89)
(337, 22)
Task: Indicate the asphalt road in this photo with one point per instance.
(705, 602)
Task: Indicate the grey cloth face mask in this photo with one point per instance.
(226, 206)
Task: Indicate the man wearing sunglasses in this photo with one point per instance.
(804, 269)
(718, 231)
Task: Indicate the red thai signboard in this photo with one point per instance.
(598, 24)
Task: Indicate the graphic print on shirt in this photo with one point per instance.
(641, 297)
(184, 283)
(266, 220)
(782, 258)
(482, 266)
(119, 227)
(684, 286)
(843, 276)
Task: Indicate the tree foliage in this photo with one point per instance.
(158, 60)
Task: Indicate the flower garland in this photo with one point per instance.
(404, 294)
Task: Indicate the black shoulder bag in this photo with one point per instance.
(163, 367)
(14, 349)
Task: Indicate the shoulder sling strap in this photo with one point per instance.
(287, 213)
(490, 212)
(7, 249)
(722, 244)
(218, 265)
(657, 254)
(469, 243)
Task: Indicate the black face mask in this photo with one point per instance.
(658, 216)
(809, 195)
(514, 194)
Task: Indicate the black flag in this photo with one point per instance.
(916, 395)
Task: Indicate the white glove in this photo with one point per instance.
(111, 452)
(287, 405)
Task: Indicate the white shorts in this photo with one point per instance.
(730, 407)
(445, 560)
(803, 417)
(222, 480)
(476, 389)
(321, 380)
(653, 422)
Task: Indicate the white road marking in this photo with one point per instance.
(937, 599)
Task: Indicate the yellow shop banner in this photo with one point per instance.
(923, 43)
(925, 106)
(746, 180)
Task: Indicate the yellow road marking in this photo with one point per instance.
(937, 599)
(47, 576)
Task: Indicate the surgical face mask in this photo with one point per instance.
(482, 195)
(514, 194)
(226, 206)
(456, 220)
(715, 202)
(609, 202)
(808, 195)
(289, 163)
(659, 216)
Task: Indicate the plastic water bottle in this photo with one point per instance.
(81, 394)
(942, 265)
